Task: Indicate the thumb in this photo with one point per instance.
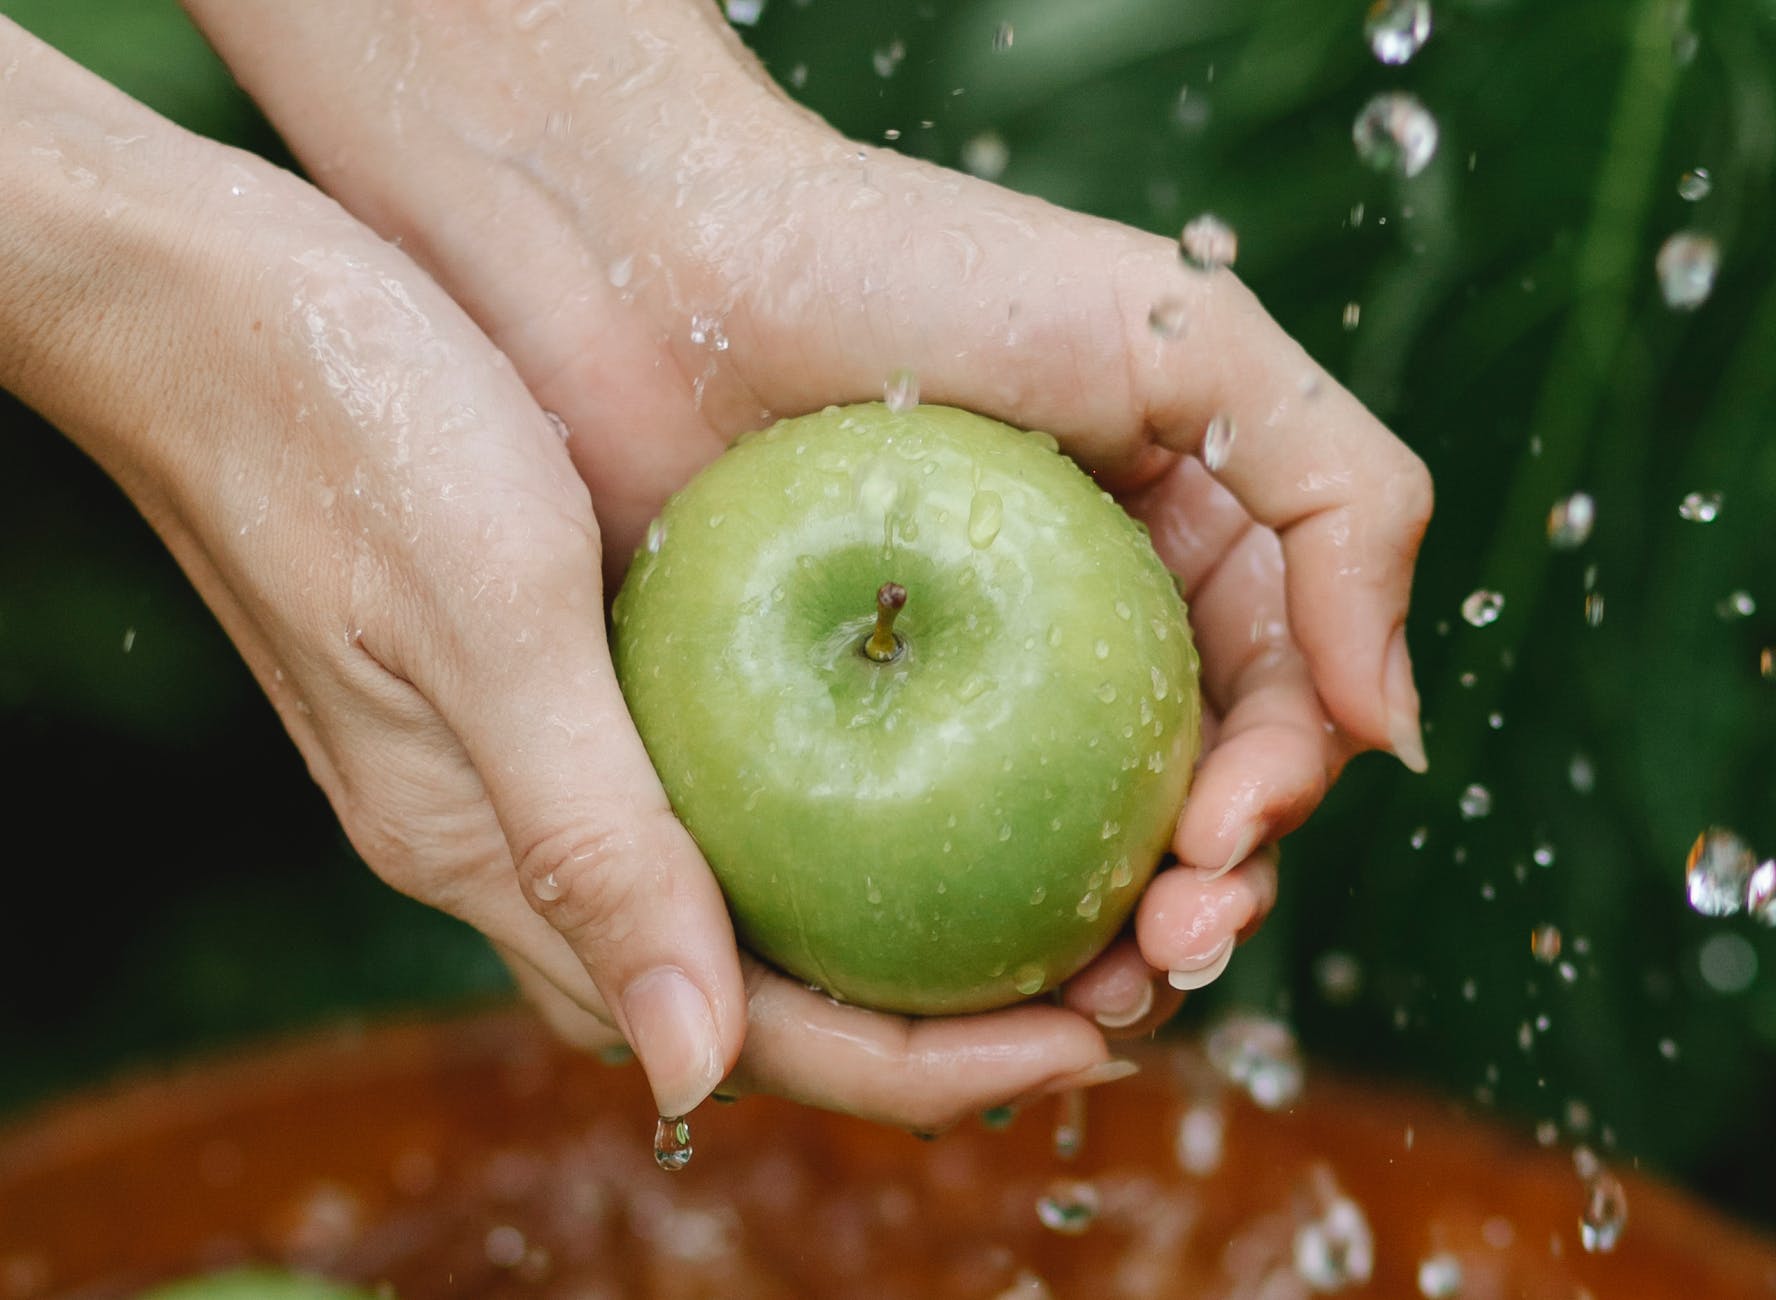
(599, 853)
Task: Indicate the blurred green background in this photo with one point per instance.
(176, 882)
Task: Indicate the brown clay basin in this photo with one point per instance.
(474, 1158)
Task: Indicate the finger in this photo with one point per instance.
(1121, 992)
(923, 1074)
(1189, 926)
(1054, 333)
(566, 1018)
(597, 849)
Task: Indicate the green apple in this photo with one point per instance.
(943, 817)
(256, 1284)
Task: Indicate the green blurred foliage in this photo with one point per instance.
(1511, 329)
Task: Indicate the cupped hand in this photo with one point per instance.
(673, 254)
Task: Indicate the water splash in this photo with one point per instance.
(1397, 29)
(1686, 267)
(1068, 1206)
(1208, 243)
(1394, 132)
(1003, 36)
(1336, 1248)
(887, 58)
(672, 1143)
(1259, 1055)
(1735, 605)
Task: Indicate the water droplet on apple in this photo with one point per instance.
(1101, 649)
(1160, 686)
(1038, 896)
(672, 1143)
(1110, 830)
(1123, 611)
(1090, 905)
(1004, 832)
(1106, 692)
(1029, 978)
(985, 515)
(1068, 1207)
(872, 892)
(548, 889)
(656, 537)
(901, 391)
(1054, 634)
(1122, 873)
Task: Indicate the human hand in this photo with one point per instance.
(672, 254)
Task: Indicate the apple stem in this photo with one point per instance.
(883, 646)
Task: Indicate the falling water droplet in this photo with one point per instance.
(1594, 609)
(887, 57)
(1353, 316)
(1336, 1250)
(672, 1143)
(901, 391)
(1069, 1131)
(1734, 605)
(1397, 29)
(1167, 318)
(548, 889)
(1570, 521)
(1208, 243)
(1475, 802)
(1700, 507)
(986, 155)
(1201, 1139)
(1760, 893)
(1259, 1055)
(985, 515)
(1440, 1277)
(1218, 442)
(1543, 855)
(1418, 837)
(1003, 36)
(1068, 1206)
(1694, 185)
(1544, 944)
(1605, 1213)
(1686, 267)
(1394, 132)
(745, 13)
(1482, 608)
(1717, 874)
(1581, 774)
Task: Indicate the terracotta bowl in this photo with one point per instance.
(474, 1158)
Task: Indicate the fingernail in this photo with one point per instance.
(1404, 734)
(1117, 1067)
(671, 1028)
(1122, 1019)
(1242, 849)
(1202, 971)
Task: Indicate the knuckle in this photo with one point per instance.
(587, 883)
(1413, 492)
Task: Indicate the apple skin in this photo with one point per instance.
(969, 824)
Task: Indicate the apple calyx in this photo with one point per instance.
(884, 644)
